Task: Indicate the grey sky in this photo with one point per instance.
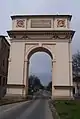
(40, 63)
(11, 7)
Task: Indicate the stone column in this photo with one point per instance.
(70, 71)
(53, 76)
(26, 73)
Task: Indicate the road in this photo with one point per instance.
(35, 109)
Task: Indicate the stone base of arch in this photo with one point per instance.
(62, 93)
(57, 93)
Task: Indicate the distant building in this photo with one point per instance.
(4, 55)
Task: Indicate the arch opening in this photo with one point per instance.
(49, 55)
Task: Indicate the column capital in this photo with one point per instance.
(27, 61)
(53, 61)
(70, 61)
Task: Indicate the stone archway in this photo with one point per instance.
(27, 58)
(48, 33)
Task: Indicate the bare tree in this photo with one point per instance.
(76, 68)
(76, 64)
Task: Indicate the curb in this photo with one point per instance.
(53, 110)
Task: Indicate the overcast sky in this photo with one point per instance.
(12, 7)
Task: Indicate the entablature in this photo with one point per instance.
(41, 35)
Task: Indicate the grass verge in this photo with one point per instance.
(10, 100)
(68, 109)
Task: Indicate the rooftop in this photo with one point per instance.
(4, 37)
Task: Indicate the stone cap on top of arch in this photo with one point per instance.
(41, 15)
(39, 49)
(26, 34)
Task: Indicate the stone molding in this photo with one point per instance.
(63, 87)
(15, 85)
(39, 35)
(9, 59)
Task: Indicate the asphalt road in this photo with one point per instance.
(35, 109)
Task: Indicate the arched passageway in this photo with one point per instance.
(30, 54)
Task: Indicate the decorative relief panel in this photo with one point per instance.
(20, 23)
(40, 23)
(61, 23)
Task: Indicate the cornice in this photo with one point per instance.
(41, 16)
(39, 35)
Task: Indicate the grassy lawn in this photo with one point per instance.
(68, 109)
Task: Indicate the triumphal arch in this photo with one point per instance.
(48, 33)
